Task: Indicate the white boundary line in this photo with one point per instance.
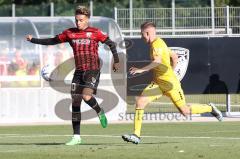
(117, 136)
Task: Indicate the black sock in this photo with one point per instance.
(76, 119)
(93, 104)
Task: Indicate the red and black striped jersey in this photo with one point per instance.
(85, 46)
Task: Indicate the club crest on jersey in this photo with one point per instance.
(94, 80)
(88, 34)
(183, 60)
(103, 33)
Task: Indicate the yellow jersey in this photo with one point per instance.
(163, 74)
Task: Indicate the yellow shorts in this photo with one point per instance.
(153, 92)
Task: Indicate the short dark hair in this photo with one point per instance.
(82, 10)
(147, 24)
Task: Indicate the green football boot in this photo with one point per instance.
(103, 119)
(74, 141)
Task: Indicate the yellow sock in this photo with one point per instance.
(200, 108)
(138, 121)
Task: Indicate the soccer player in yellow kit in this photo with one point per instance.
(164, 82)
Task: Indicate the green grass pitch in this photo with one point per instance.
(216, 140)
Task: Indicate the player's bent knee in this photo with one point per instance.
(185, 110)
(86, 97)
(141, 102)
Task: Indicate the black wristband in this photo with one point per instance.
(48, 41)
(115, 58)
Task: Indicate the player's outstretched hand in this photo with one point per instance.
(134, 70)
(116, 66)
(28, 37)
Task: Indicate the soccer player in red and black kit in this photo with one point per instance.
(84, 42)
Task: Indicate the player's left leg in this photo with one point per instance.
(92, 102)
(91, 81)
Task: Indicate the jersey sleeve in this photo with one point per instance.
(101, 36)
(159, 48)
(157, 51)
(63, 36)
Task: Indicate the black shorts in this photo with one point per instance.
(85, 79)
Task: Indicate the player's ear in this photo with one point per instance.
(87, 18)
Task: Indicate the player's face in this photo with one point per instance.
(145, 35)
(81, 21)
(148, 34)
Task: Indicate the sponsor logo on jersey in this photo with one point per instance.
(81, 41)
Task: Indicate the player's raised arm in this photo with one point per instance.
(46, 41)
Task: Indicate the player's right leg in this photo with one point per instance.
(76, 112)
(177, 97)
(215, 112)
(150, 93)
(200, 109)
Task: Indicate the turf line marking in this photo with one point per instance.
(10, 151)
(117, 136)
(9, 134)
(217, 145)
(217, 132)
(194, 137)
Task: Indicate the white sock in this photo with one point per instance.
(76, 136)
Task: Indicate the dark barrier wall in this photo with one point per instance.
(214, 64)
